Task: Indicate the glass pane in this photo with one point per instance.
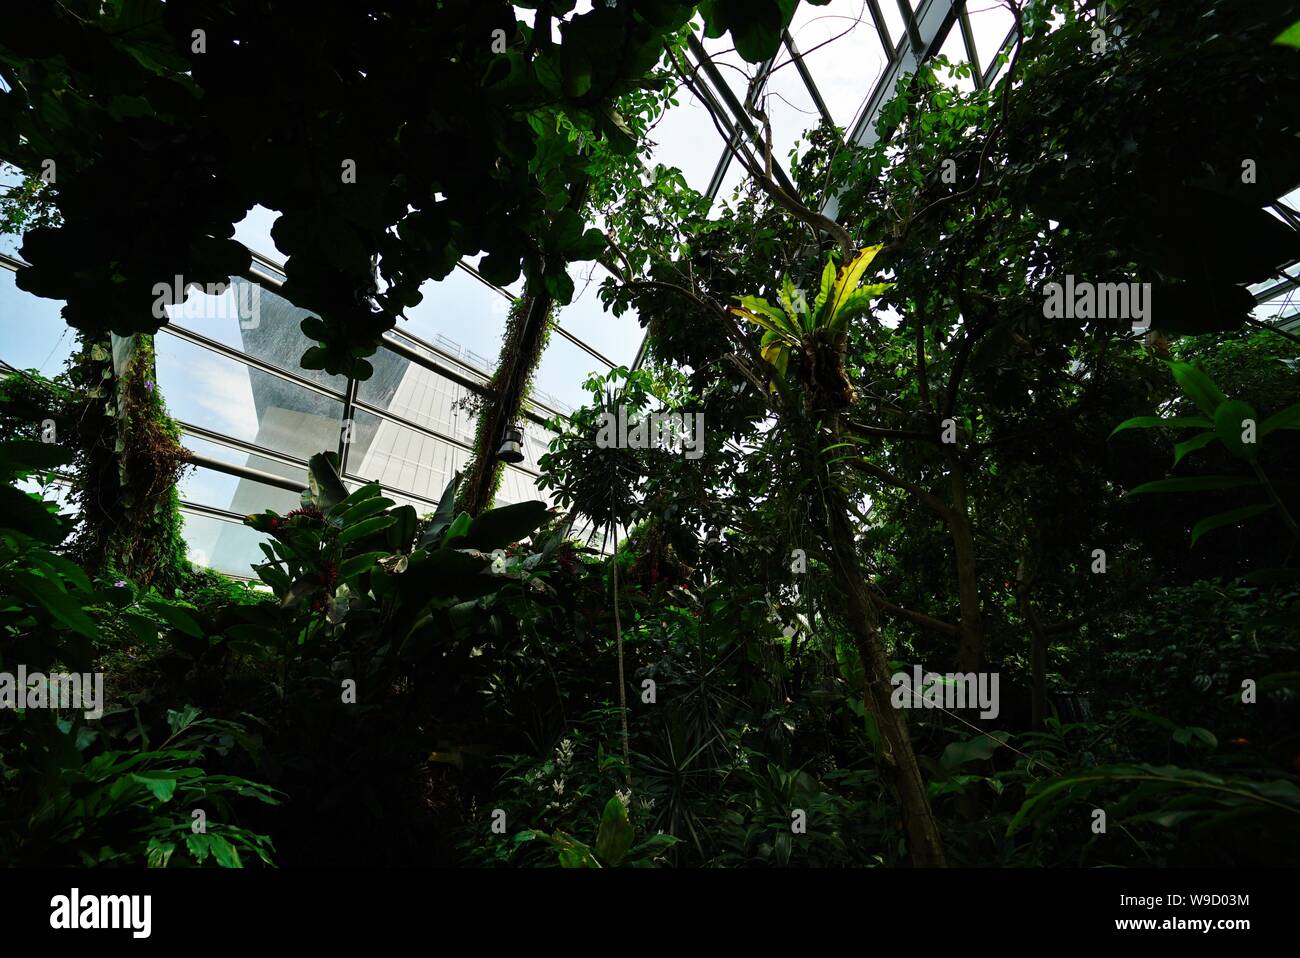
(841, 47)
(401, 458)
(462, 315)
(686, 137)
(413, 392)
(254, 319)
(1282, 306)
(221, 544)
(9, 177)
(732, 180)
(614, 337)
(223, 395)
(517, 486)
(563, 370)
(893, 21)
(990, 22)
(254, 231)
(954, 48)
(32, 333)
(790, 108)
(218, 490)
(57, 490)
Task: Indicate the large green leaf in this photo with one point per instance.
(1170, 422)
(1230, 421)
(443, 515)
(1193, 444)
(760, 310)
(1288, 418)
(824, 291)
(366, 509)
(326, 488)
(177, 618)
(30, 515)
(25, 455)
(497, 528)
(1198, 387)
(358, 564)
(1230, 518)
(855, 304)
(366, 527)
(58, 603)
(405, 522)
(616, 833)
(1193, 484)
(974, 749)
(443, 572)
(851, 275)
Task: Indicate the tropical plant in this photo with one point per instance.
(614, 844)
(1236, 425)
(818, 334)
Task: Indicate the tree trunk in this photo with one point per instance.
(970, 647)
(923, 838)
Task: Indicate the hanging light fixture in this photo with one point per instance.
(512, 446)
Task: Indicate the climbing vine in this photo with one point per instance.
(127, 460)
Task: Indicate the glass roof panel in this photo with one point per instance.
(561, 373)
(990, 22)
(224, 545)
(32, 333)
(791, 109)
(204, 388)
(256, 320)
(254, 231)
(841, 47)
(462, 315)
(684, 137)
(954, 48)
(893, 20)
(614, 337)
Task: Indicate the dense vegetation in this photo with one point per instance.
(907, 461)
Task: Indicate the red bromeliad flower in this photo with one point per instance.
(329, 575)
(308, 512)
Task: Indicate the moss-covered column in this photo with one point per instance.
(132, 459)
(527, 332)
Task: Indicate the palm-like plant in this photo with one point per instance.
(816, 335)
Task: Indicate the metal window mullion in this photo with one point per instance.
(911, 28)
(345, 427)
(972, 54)
(411, 424)
(882, 29)
(244, 472)
(582, 345)
(239, 445)
(198, 339)
(212, 512)
(737, 110)
(797, 59)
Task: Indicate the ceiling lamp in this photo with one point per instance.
(512, 446)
